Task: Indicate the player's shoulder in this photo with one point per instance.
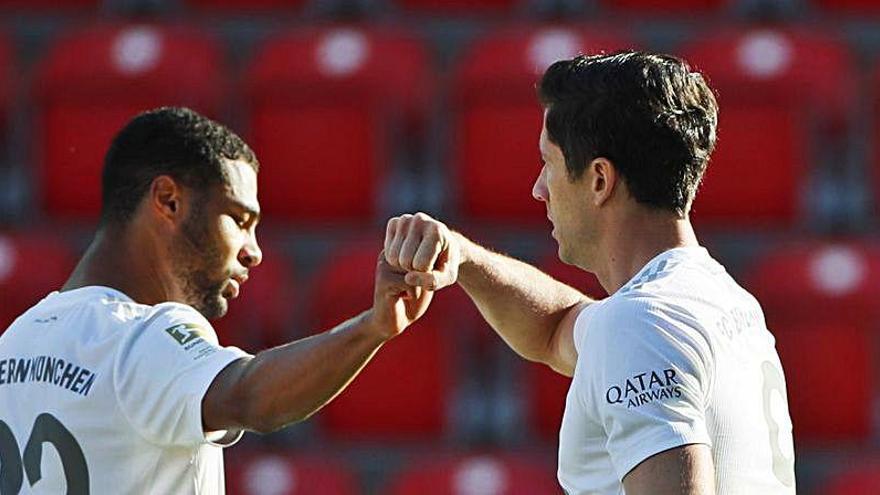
(104, 305)
(649, 316)
(180, 321)
(672, 270)
(174, 311)
(623, 311)
(640, 327)
(167, 325)
(120, 308)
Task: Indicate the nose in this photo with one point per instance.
(250, 255)
(539, 189)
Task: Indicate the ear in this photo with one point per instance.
(165, 199)
(603, 180)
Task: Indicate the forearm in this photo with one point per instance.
(289, 383)
(522, 304)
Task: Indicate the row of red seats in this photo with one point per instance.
(327, 109)
(819, 298)
(493, 473)
(653, 7)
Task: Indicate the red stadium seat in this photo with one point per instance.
(31, 266)
(827, 363)
(326, 106)
(246, 6)
(862, 478)
(492, 474)
(459, 7)
(49, 5)
(661, 7)
(875, 144)
(498, 118)
(93, 81)
(858, 7)
(820, 303)
(411, 373)
(547, 388)
(267, 473)
(262, 316)
(827, 281)
(7, 85)
(800, 84)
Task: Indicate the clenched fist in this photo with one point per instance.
(425, 248)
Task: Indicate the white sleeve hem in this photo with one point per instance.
(644, 449)
(207, 373)
(223, 438)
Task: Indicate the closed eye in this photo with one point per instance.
(242, 220)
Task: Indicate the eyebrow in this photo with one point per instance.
(250, 210)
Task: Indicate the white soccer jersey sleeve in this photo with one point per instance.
(650, 381)
(162, 373)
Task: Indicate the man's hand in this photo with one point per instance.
(425, 249)
(396, 305)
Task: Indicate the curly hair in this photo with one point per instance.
(172, 141)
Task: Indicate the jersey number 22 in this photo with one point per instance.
(47, 429)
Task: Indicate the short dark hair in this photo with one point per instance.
(649, 114)
(172, 141)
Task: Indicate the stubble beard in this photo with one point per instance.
(194, 261)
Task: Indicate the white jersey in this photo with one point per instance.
(100, 394)
(679, 355)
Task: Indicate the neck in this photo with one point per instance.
(120, 259)
(647, 233)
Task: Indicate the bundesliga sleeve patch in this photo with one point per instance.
(191, 337)
(644, 388)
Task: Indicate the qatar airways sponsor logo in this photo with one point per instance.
(645, 388)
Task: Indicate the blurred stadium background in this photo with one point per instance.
(362, 109)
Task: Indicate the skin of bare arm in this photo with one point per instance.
(685, 470)
(289, 383)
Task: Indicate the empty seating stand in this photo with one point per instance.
(246, 6)
(848, 7)
(50, 6)
(283, 473)
(32, 264)
(327, 108)
(781, 91)
(495, 474)
(665, 7)
(497, 117)
(8, 80)
(875, 144)
(819, 300)
(459, 7)
(92, 81)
